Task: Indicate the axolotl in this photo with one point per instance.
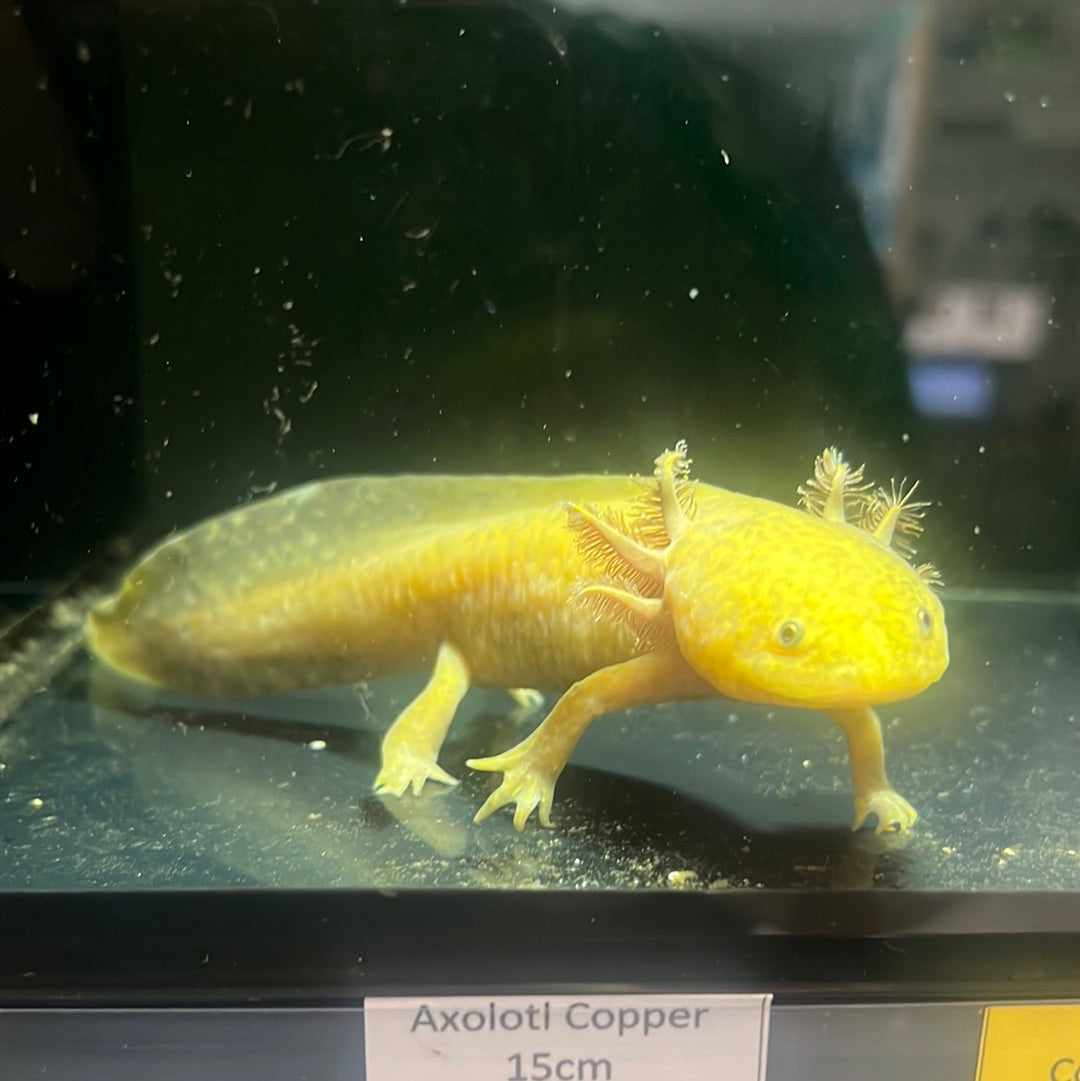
(616, 591)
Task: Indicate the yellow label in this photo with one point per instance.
(1030, 1043)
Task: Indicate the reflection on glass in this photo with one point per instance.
(246, 248)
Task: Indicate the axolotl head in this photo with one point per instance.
(818, 606)
(773, 604)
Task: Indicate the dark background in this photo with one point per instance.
(246, 245)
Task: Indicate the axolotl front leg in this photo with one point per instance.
(532, 767)
(873, 793)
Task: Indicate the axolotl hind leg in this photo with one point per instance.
(531, 768)
(873, 793)
(410, 748)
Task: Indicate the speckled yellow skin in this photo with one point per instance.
(489, 580)
(744, 566)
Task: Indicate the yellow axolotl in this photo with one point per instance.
(616, 591)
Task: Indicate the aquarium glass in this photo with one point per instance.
(249, 246)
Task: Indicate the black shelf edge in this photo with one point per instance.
(241, 947)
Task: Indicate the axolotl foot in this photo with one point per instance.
(406, 770)
(894, 813)
(526, 783)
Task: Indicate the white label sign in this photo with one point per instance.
(567, 1037)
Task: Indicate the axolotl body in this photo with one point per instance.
(615, 591)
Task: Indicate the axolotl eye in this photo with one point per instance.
(789, 634)
(925, 621)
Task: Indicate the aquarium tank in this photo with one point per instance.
(336, 277)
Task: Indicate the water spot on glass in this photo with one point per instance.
(82, 51)
(1009, 96)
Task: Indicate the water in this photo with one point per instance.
(294, 241)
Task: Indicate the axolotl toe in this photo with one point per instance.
(612, 591)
